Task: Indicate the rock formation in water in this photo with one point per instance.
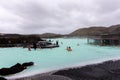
(2, 78)
(15, 69)
(27, 64)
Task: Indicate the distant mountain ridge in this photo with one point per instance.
(83, 32)
(45, 35)
(50, 35)
(98, 30)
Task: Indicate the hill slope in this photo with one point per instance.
(115, 29)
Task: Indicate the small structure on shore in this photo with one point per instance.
(105, 40)
(46, 44)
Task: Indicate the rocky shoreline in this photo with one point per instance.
(109, 70)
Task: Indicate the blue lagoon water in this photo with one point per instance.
(57, 58)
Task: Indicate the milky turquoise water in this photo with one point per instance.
(57, 58)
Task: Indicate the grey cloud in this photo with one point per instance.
(107, 6)
(60, 16)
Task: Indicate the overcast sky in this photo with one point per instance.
(56, 16)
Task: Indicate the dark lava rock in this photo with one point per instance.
(2, 78)
(15, 69)
(109, 70)
(28, 64)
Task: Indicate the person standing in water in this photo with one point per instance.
(34, 46)
(29, 47)
(78, 44)
(56, 42)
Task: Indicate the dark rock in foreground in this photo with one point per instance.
(1, 78)
(15, 69)
(47, 77)
(109, 70)
(27, 64)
